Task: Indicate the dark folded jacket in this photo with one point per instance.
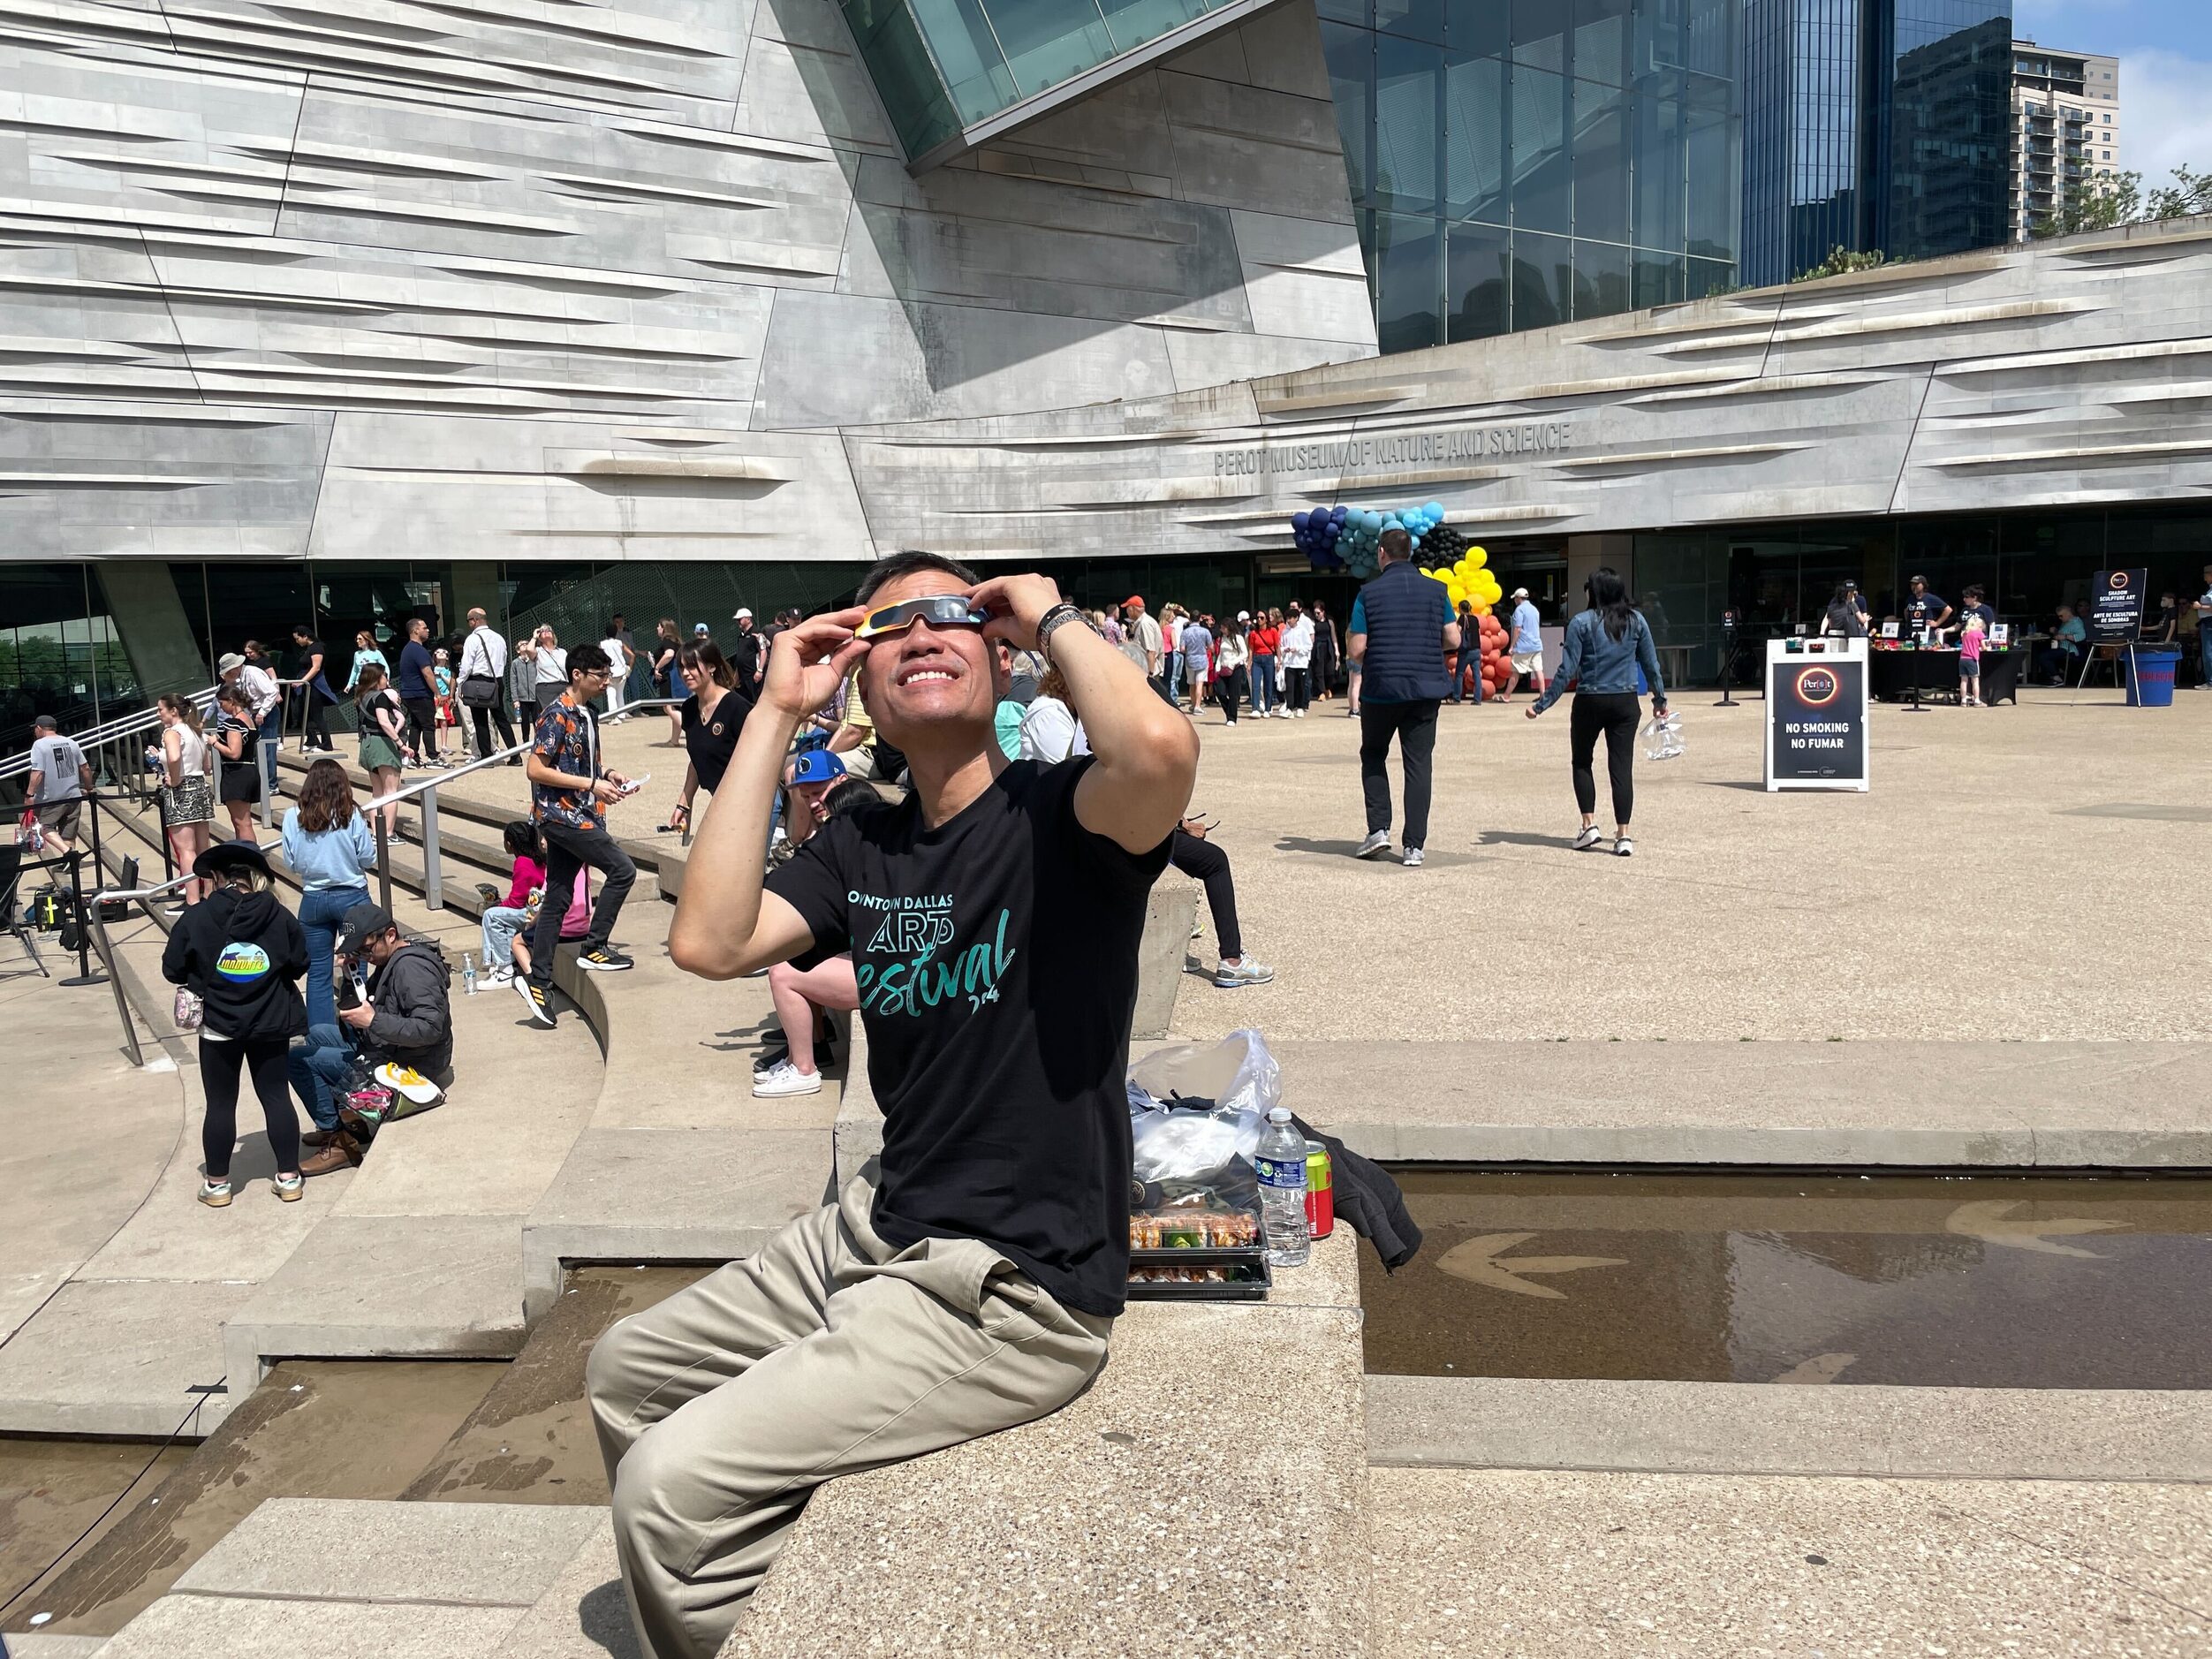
(1367, 1200)
(242, 955)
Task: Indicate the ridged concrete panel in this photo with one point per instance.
(521, 278)
(2067, 373)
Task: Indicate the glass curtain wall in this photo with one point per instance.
(1873, 125)
(1943, 174)
(944, 65)
(1516, 163)
(60, 653)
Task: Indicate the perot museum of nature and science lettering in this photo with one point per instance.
(664, 306)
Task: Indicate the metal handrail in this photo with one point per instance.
(426, 789)
(433, 884)
(111, 730)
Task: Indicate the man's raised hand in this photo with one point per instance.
(809, 662)
(1015, 605)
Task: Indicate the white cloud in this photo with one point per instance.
(2165, 117)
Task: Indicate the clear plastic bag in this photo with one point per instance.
(1662, 738)
(1237, 1079)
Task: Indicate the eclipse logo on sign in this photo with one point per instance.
(1816, 687)
(2115, 580)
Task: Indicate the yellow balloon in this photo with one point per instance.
(1477, 558)
(1459, 592)
(1482, 610)
(1441, 576)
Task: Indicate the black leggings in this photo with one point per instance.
(219, 1063)
(1615, 713)
(1203, 862)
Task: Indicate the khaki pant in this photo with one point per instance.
(720, 1409)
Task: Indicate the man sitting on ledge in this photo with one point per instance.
(993, 919)
(404, 1022)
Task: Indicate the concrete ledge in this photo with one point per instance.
(120, 1357)
(1771, 1429)
(1207, 1492)
(1994, 1105)
(1170, 910)
(382, 1286)
(669, 1195)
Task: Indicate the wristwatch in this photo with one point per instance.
(1055, 618)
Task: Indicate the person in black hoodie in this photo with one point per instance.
(242, 953)
(405, 1021)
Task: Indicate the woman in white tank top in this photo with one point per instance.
(187, 789)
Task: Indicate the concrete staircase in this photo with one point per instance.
(607, 1139)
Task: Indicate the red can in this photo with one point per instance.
(1321, 1196)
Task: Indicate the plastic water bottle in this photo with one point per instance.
(468, 973)
(1281, 1163)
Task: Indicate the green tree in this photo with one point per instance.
(2190, 193)
(2107, 200)
(2096, 204)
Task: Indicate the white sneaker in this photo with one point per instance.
(1375, 846)
(503, 976)
(1587, 838)
(786, 1079)
(1298, 713)
(1411, 859)
(1243, 971)
(1623, 846)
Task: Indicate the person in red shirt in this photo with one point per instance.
(1265, 637)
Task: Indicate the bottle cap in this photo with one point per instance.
(1279, 1114)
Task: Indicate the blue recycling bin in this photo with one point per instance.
(2150, 677)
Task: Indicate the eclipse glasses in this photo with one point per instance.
(940, 610)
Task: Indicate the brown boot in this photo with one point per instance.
(320, 1137)
(342, 1154)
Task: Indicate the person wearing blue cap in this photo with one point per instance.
(970, 1281)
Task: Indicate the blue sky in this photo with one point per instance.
(2165, 52)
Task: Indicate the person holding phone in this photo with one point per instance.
(570, 788)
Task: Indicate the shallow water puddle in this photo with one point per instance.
(1933, 1280)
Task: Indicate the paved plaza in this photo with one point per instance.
(1939, 973)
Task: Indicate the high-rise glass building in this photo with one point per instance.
(1516, 163)
(1873, 124)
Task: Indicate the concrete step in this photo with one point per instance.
(355, 1577)
(488, 798)
(679, 1163)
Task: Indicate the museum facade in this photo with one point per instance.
(653, 309)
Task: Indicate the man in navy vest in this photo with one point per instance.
(1401, 627)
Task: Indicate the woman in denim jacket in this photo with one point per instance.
(1605, 646)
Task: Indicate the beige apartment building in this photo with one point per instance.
(2066, 128)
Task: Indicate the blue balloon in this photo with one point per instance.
(1298, 521)
(1339, 513)
(1434, 511)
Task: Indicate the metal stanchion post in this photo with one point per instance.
(85, 975)
(432, 879)
(268, 754)
(384, 862)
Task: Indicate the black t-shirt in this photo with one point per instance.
(711, 742)
(997, 958)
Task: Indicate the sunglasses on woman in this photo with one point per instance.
(940, 610)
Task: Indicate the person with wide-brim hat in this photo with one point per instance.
(242, 955)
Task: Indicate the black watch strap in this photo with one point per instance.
(1053, 620)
